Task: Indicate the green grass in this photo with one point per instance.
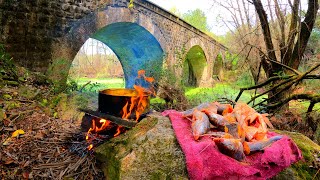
(302, 106)
(221, 90)
(97, 84)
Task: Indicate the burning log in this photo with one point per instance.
(116, 120)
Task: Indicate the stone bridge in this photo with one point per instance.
(45, 36)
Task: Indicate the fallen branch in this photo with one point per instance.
(312, 98)
(117, 120)
(295, 80)
(285, 83)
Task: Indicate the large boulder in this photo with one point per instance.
(150, 151)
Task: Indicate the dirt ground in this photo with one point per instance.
(50, 148)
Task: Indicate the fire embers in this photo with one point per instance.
(236, 132)
(100, 130)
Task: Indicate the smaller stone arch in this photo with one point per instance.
(195, 63)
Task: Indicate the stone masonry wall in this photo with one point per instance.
(37, 32)
(28, 27)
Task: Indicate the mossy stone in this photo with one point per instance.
(306, 168)
(148, 151)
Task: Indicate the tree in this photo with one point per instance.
(198, 19)
(175, 11)
(277, 33)
(291, 47)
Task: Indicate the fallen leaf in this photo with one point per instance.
(7, 142)
(39, 135)
(26, 164)
(25, 175)
(2, 115)
(17, 133)
(9, 161)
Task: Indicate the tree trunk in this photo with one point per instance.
(291, 52)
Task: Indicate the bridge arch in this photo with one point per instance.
(195, 64)
(134, 46)
(136, 40)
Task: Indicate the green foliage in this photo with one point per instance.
(175, 11)
(198, 19)
(44, 103)
(314, 40)
(232, 59)
(97, 84)
(130, 4)
(222, 90)
(58, 72)
(8, 70)
(7, 97)
(245, 79)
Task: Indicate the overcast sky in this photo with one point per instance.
(205, 5)
(217, 16)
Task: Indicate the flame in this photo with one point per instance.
(119, 130)
(95, 129)
(139, 103)
(141, 73)
(90, 147)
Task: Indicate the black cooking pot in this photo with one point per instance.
(112, 101)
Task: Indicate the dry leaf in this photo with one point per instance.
(26, 164)
(7, 142)
(39, 135)
(25, 175)
(9, 161)
(17, 133)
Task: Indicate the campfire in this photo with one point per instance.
(119, 109)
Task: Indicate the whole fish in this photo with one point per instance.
(200, 124)
(218, 134)
(224, 109)
(259, 145)
(201, 107)
(230, 147)
(216, 119)
(235, 130)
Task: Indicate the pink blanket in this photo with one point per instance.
(204, 160)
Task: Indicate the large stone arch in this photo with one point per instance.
(92, 26)
(198, 44)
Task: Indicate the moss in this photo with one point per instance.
(147, 151)
(107, 154)
(110, 151)
(303, 169)
(157, 175)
